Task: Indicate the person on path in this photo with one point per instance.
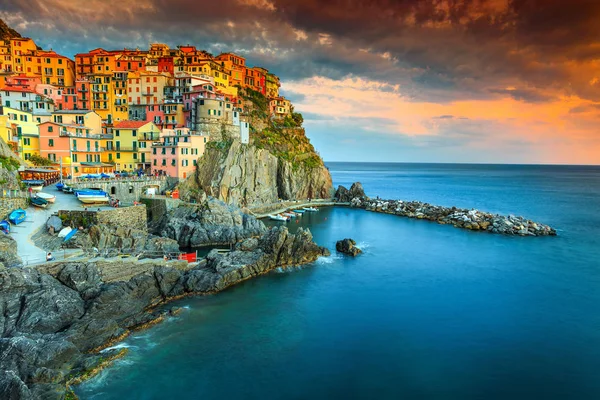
(49, 257)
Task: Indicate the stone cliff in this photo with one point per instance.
(278, 163)
(211, 222)
(55, 319)
(9, 164)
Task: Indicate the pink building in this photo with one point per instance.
(177, 153)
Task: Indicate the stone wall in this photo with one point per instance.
(156, 208)
(216, 129)
(127, 191)
(8, 204)
(126, 217)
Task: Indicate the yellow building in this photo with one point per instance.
(147, 87)
(24, 126)
(132, 143)
(21, 53)
(87, 118)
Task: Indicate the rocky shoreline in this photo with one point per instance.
(474, 220)
(55, 318)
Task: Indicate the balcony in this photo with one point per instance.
(120, 103)
(149, 137)
(99, 90)
(90, 150)
(83, 89)
(127, 149)
(148, 94)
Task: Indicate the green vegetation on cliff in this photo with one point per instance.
(284, 138)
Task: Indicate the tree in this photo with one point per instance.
(40, 161)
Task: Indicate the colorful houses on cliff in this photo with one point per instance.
(125, 110)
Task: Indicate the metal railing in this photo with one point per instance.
(14, 194)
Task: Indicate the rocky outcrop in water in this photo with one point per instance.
(54, 319)
(246, 175)
(343, 195)
(459, 217)
(348, 246)
(210, 223)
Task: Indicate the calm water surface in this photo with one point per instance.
(428, 311)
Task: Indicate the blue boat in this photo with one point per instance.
(5, 226)
(60, 186)
(70, 235)
(300, 211)
(17, 216)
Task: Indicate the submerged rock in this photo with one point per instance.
(348, 246)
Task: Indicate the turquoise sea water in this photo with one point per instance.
(428, 311)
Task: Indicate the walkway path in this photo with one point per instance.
(264, 210)
(36, 218)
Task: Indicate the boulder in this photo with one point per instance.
(55, 223)
(8, 252)
(348, 246)
(344, 195)
(210, 223)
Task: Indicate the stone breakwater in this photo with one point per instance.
(459, 217)
(54, 319)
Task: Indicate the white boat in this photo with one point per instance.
(64, 232)
(92, 198)
(50, 198)
(310, 209)
(278, 217)
(289, 214)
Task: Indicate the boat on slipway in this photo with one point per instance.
(50, 198)
(70, 235)
(35, 184)
(17, 216)
(310, 209)
(39, 202)
(5, 226)
(92, 196)
(278, 218)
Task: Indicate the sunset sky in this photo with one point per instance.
(490, 81)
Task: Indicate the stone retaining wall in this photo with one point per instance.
(156, 208)
(8, 204)
(126, 217)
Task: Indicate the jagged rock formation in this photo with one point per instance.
(347, 246)
(53, 320)
(9, 164)
(8, 252)
(211, 222)
(278, 163)
(6, 32)
(246, 175)
(344, 195)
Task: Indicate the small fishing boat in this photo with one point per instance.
(67, 189)
(17, 216)
(299, 211)
(60, 186)
(289, 214)
(311, 209)
(5, 226)
(92, 196)
(34, 184)
(50, 198)
(278, 217)
(39, 202)
(64, 232)
(70, 235)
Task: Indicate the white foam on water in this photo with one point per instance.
(329, 260)
(118, 346)
(363, 245)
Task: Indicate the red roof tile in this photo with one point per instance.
(127, 124)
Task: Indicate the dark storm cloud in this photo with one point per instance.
(435, 50)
